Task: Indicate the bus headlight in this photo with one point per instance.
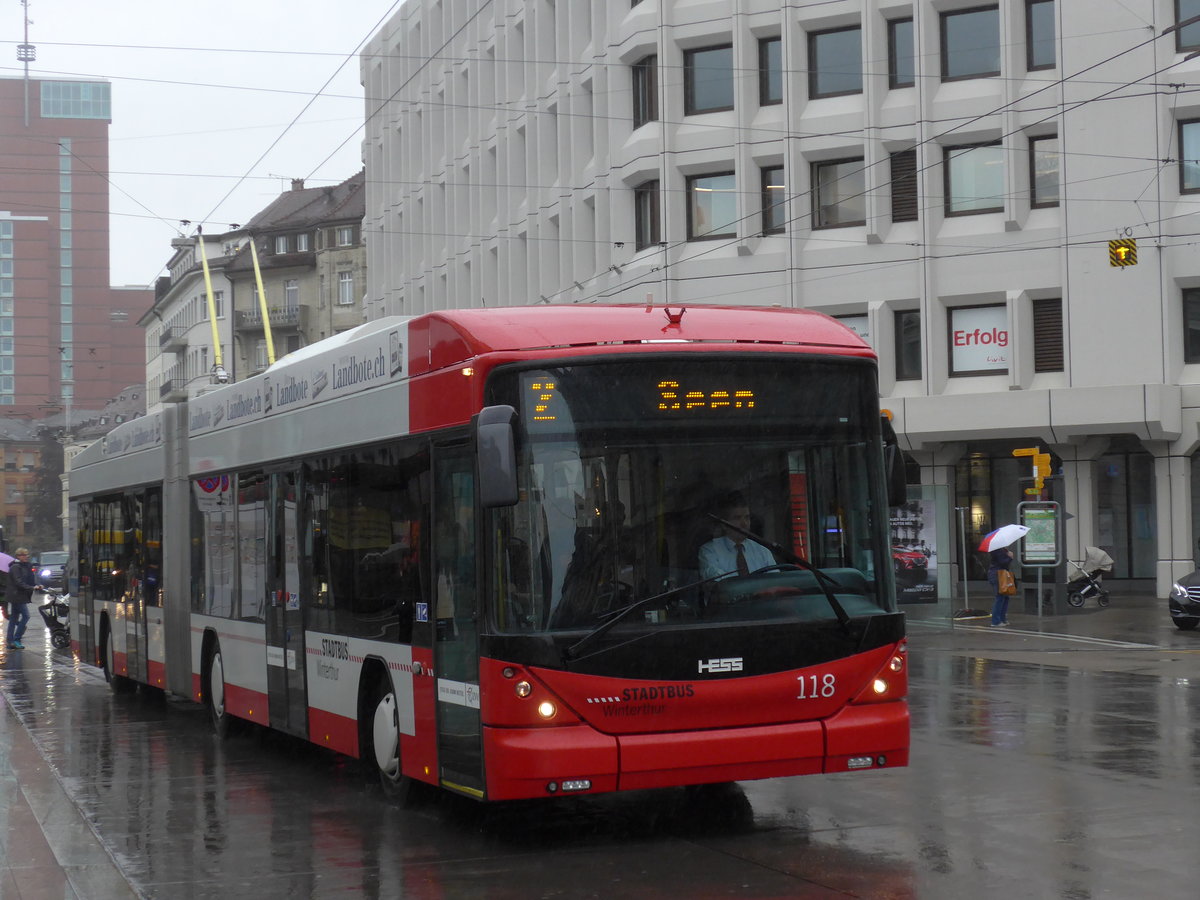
(546, 709)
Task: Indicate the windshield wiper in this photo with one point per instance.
(823, 580)
(616, 616)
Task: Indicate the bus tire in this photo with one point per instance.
(119, 684)
(383, 743)
(223, 722)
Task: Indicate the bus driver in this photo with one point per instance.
(733, 553)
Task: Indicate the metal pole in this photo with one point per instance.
(962, 531)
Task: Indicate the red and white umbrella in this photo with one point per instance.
(1002, 537)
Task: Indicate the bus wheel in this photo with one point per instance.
(384, 752)
(214, 683)
(118, 683)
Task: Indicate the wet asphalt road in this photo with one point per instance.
(1059, 758)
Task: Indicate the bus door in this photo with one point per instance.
(456, 638)
(288, 704)
(133, 583)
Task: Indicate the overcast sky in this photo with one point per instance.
(204, 96)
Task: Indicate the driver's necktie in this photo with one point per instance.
(742, 567)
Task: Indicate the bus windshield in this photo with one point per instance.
(628, 470)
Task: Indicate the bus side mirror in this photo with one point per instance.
(496, 456)
(893, 465)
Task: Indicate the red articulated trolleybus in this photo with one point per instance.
(476, 548)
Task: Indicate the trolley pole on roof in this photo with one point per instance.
(262, 304)
(212, 306)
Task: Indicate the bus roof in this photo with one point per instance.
(538, 327)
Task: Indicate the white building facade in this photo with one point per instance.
(946, 175)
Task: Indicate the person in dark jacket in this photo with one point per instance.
(1000, 559)
(20, 592)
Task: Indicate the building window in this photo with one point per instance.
(974, 179)
(260, 355)
(835, 62)
(218, 304)
(1047, 335)
(345, 236)
(839, 193)
(1043, 171)
(708, 80)
(905, 207)
(302, 243)
(1039, 34)
(979, 340)
(971, 43)
(647, 215)
(1191, 325)
(645, 91)
(712, 206)
(770, 71)
(1188, 37)
(901, 55)
(76, 100)
(291, 293)
(908, 345)
(281, 243)
(345, 289)
(1189, 155)
(774, 195)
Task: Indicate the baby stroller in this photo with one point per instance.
(56, 614)
(1087, 583)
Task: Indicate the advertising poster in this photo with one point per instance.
(914, 551)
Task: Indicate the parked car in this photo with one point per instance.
(50, 568)
(1183, 602)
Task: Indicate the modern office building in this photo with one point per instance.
(999, 196)
(66, 337)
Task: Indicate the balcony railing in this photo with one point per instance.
(172, 339)
(278, 316)
(173, 390)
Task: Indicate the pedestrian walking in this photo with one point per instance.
(20, 592)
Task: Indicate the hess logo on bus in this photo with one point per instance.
(725, 664)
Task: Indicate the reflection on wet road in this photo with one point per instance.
(1042, 766)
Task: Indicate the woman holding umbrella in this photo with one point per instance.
(996, 544)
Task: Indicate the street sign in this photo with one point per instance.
(1040, 547)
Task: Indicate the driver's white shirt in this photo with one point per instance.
(719, 557)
